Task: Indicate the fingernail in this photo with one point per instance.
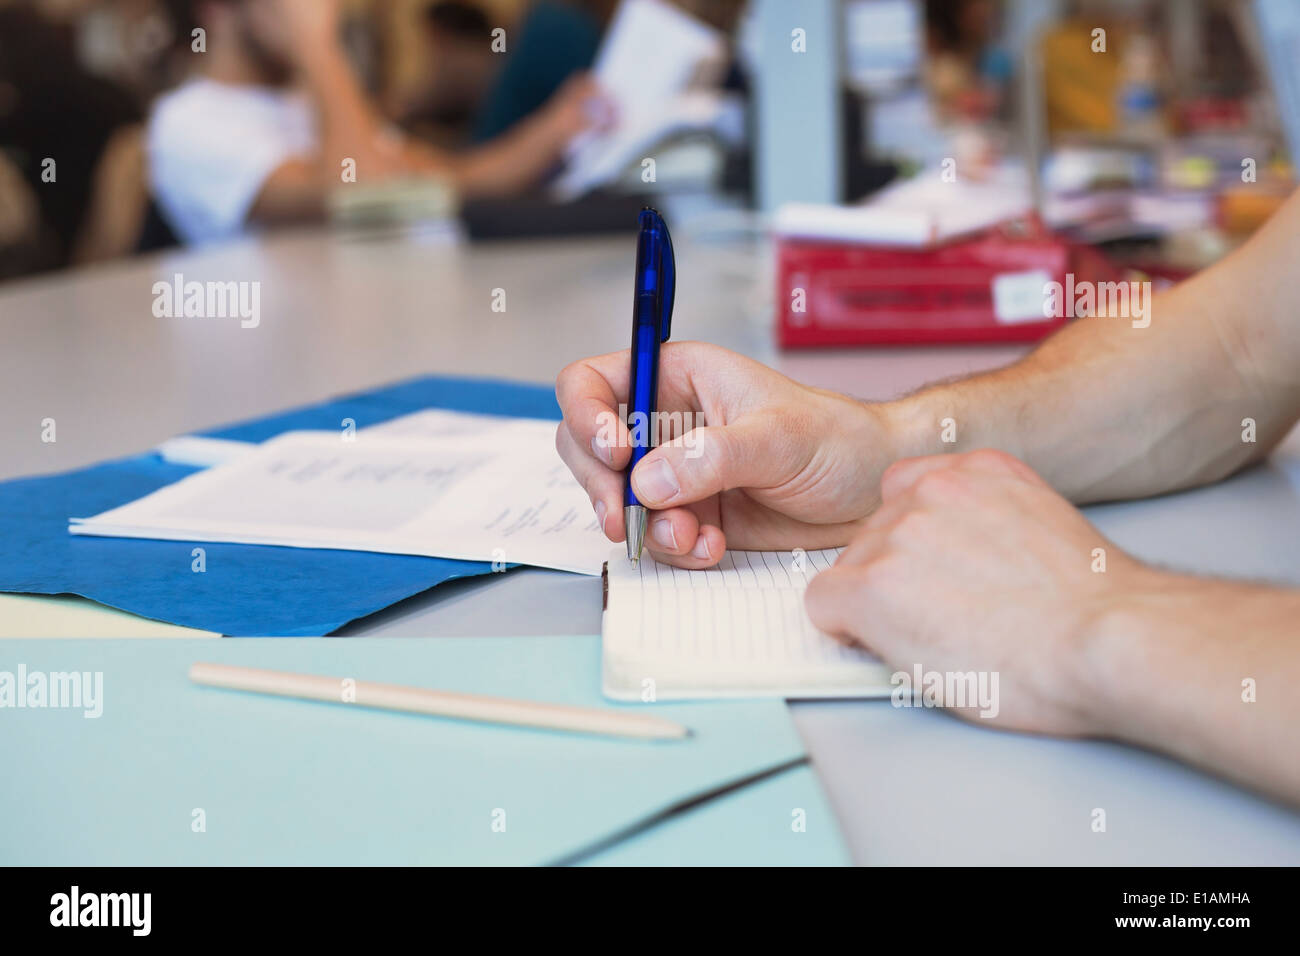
(701, 549)
(600, 514)
(657, 482)
(598, 449)
(662, 529)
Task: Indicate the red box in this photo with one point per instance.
(986, 288)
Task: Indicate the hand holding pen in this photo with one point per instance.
(752, 460)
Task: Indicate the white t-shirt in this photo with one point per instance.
(212, 146)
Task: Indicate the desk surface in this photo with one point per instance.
(341, 314)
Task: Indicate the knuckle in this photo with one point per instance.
(912, 526)
(564, 381)
(880, 571)
(715, 446)
(892, 468)
(605, 431)
(890, 475)
(590, 485)
(991, 456)
(940, 483)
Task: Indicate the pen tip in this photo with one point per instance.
(634, 519)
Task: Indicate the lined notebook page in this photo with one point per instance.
(738, 629)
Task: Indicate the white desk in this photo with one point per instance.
(338, 315)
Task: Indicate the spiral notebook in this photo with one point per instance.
(736, 630)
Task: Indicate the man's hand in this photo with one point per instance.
(972, 563)
(776, 464)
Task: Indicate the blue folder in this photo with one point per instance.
(246, 589)
(172, 773)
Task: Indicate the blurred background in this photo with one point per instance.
(1114, 136)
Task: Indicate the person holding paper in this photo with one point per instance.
(262, 132)
(970, 554)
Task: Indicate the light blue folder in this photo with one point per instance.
(296, 782)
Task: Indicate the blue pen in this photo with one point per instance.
(652, 312)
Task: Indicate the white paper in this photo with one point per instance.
(649, 56)
(802, 220)
(200, 451)
(440, 484)
(735, 630)
(441, 423)
(912, 213)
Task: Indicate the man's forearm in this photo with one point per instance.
(512, 162)
(1204, 670)
(346, 120)
(1104, 410)
(350, 127)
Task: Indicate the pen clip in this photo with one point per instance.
(669, 272)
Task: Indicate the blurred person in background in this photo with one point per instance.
(262, 131)
(459, 69)
(131, 42)
(966, 70)
(554, 40)
(72, 180)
